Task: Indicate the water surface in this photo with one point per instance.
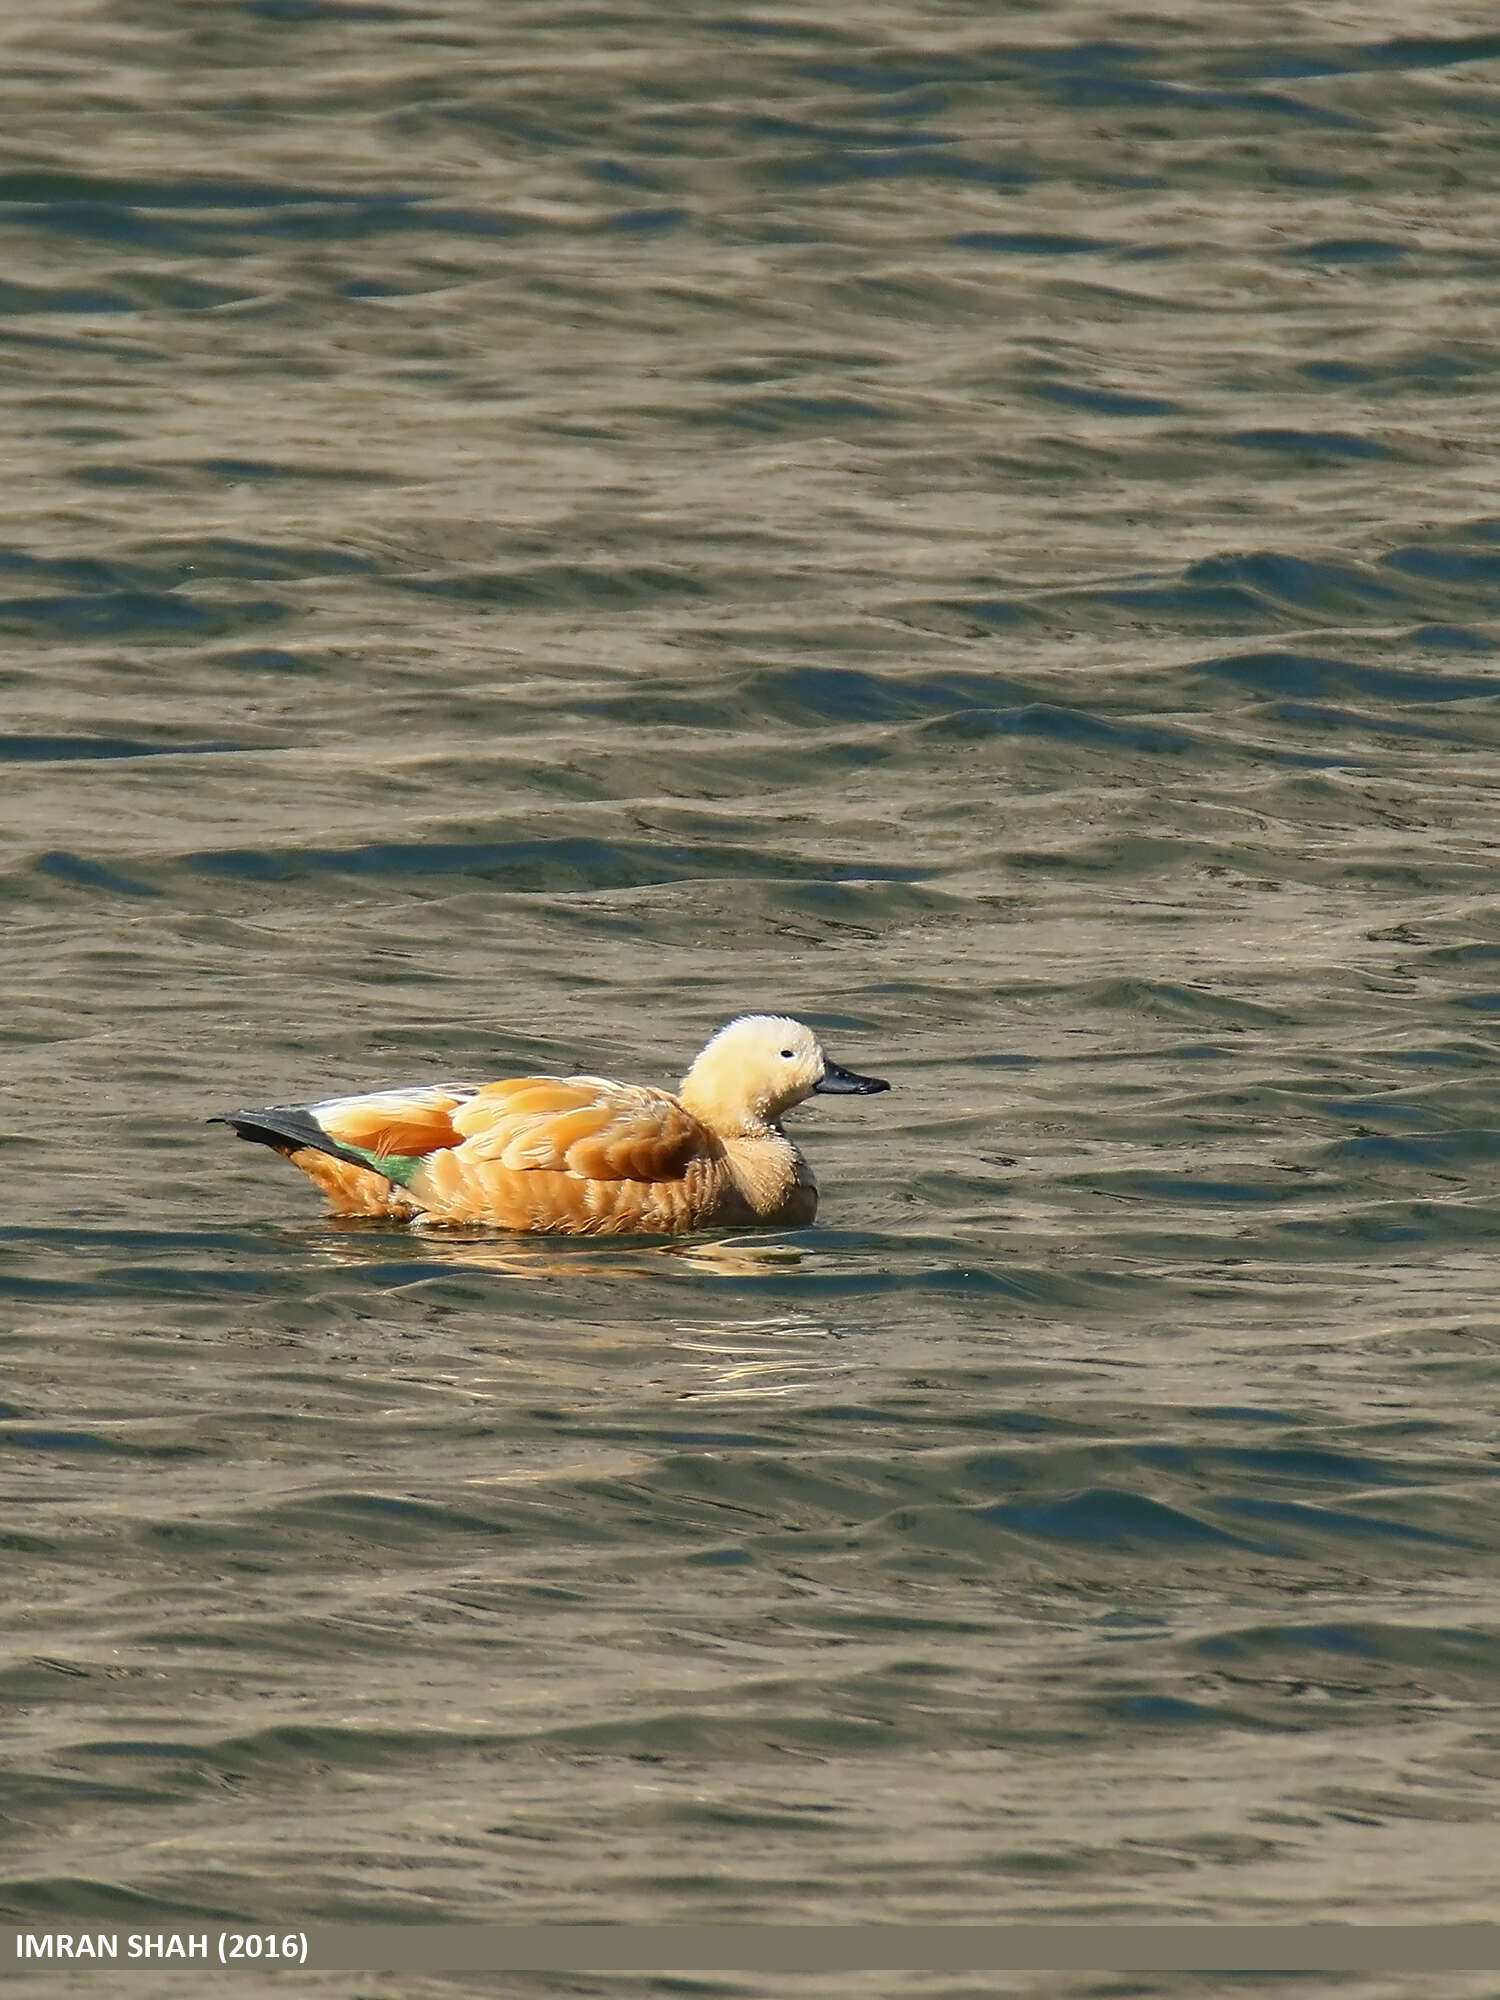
(528, 533)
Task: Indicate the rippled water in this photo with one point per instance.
(530, 531)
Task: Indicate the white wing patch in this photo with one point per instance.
(405, 1097)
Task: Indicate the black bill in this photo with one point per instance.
(844, 1083)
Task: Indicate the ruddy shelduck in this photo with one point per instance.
(577, 1155)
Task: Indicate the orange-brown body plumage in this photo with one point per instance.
(579, 1155)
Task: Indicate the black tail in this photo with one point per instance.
(287, 1129)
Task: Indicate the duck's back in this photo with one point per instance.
(575, 1155)
(584, 1125)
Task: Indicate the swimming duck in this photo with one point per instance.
(577, 1155)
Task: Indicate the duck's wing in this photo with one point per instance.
(586, 1126)
(361, 1151)
(394, 1124)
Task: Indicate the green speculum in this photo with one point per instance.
(397, 1167)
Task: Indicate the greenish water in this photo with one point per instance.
(527, 534)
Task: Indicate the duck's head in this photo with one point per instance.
(760, 1066)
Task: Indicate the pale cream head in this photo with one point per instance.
(753, 1070)
(757, 1068)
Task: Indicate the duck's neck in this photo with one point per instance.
(723, 1111)
(773, 1177)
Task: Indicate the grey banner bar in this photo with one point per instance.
(760, 1948)
(905, 1947)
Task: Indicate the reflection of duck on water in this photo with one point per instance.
(361, 1240)
(578, 1155)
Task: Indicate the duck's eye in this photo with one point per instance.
(787, 1054)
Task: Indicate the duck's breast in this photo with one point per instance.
(775, 1182)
